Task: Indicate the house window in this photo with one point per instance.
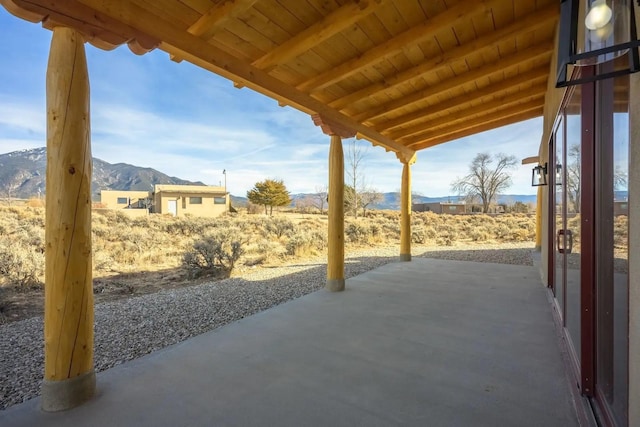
(195, 200)
(122, 200)
(453, 208)
(219, 200)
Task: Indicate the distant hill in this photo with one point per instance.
(22, 174)
(391, 201)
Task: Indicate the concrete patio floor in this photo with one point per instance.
(425, 343)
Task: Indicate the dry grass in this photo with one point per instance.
(124, 245)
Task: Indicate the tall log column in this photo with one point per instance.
(405, 213)
(335, 233)
(539, 219)
(335, 261)
(68, 321)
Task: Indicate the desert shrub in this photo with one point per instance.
(479, 234)
(279, 226)
(21, 265)
(356, 232)
(300, 245)
(418, 235)
(216, 253)
(253, 209)
(446, 237)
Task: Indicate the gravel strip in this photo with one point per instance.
(127, 329)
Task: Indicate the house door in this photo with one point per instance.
(566, 191)
(589, 157)
(172, 207)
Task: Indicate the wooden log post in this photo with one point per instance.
(405, 208)
(539, 207)
(69, 377)
(335, 234)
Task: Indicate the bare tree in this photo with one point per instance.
(573, 177)
(369, 197)
(355, 154)
(320, 197)
(487, 178)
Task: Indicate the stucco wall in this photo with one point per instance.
(109, 198)
(184, 206)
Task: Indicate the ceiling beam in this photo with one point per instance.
(100, 30)
(534, 76)
(335, 22)
(485, 126)
(198, 51)
(498, 104)
(469, 123)
(432, 65)
(211, 22)
(528, 55)
(461, 11)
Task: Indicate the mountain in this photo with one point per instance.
(391, 200)
(22, 175)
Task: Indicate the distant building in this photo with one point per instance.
(454, 208)
(119, 199)
(196, 200)
(176, 200)
(620, 207)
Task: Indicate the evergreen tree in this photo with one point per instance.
(269, 193)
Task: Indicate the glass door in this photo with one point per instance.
(611, 240)
(567, 190)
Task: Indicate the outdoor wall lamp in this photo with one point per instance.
(539, 176)
(596, 32)
(558, 174)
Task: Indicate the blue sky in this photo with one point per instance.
(187, 122)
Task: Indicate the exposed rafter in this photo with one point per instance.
(514, 102)
(195, 50)
(486, 124)
(422, 32)
(536, 75)
(529, 55)
(432, 65)
(212, 21)
(102, 31)
(341, 18)
(481, 118)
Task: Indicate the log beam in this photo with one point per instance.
(435, 64)
(488, 125)
(536, 53)
(448, 18)
(69, 377)
(535, 76)
(343, 17)
(480, 119)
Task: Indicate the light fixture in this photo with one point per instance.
(595, 32)
(558, 180)
(539, 176)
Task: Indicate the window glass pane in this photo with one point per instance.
(122, 200)
(612, 306)
(219, 200)
(195, 200)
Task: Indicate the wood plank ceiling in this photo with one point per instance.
(403, 74)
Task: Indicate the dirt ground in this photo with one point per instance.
(22, 303)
